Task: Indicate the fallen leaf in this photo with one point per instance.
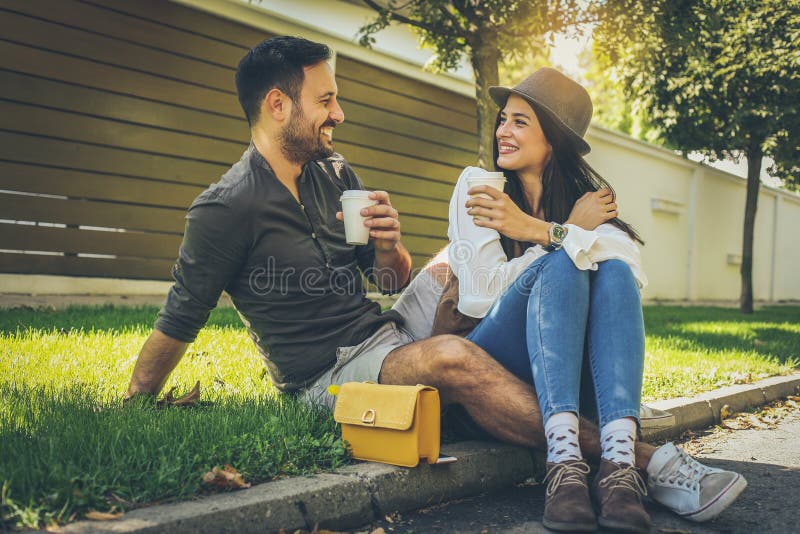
(189, 399)
(725, 412)
(94, 515)
(225, 478)
(378, 530)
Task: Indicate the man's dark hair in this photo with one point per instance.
(275, 63)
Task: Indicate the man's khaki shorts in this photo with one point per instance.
(362, 362)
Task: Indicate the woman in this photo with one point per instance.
(552, 272)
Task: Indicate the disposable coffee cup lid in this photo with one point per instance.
(355, 193)
(478, 173)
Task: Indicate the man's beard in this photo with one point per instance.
(301, 142)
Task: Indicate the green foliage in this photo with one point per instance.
(719, 76)
(488, 32)
(612, 107)
(454, 28)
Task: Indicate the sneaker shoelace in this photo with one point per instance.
(565, 474)
(626, 477)
(685, 471)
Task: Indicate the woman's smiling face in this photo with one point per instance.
(521, 144)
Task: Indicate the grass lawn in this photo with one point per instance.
(66, 445)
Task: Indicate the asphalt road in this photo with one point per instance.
(769, 458)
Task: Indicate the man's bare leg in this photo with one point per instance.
(503, 405)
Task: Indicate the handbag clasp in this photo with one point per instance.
(369, 417)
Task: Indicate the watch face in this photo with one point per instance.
(559, 233)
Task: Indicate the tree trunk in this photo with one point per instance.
(485, 57)
(754, 157)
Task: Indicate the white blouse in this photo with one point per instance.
(484, 272)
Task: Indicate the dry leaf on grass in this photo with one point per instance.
(225, 478)
(94, 515)
(189, 399)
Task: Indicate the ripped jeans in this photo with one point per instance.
(554, 314)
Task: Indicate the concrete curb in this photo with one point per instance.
(360, 493)
(704, 409)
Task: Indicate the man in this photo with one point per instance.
(270, 234)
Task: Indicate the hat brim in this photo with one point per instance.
(500, 95)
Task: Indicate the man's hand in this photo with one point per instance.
(593, 209)
(384, 225)
(505, 216)
(158, 357)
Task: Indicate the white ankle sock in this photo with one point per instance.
(617, 440)
(561, 430)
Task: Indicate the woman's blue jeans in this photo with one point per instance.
(554, 314)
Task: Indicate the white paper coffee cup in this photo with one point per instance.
(353, 201)
(482, 177)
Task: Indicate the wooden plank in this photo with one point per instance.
(76, 184)
(404, 105)
(135, 268)
(408, 205)
(188, 19)
(130, 244)
(35, 120)
(55, 37)
(423, 244)
(385, 119)
(31, 178)
(397, 183)
(69, 97)
(132, 28)
(91, 213)
(423, 226)
(143, 218)
(359, 71)
(50, 64)
(406, 165)
(24, 148)
(419, 148)
(74, 240)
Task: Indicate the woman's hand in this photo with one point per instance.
(593, 209)
(503, 215)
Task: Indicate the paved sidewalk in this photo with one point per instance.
(769, 459)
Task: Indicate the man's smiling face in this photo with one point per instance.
(309, 133)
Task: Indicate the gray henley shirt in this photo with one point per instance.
(293, 279)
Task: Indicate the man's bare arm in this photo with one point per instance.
(158, 357)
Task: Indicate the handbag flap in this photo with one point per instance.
(377, 405)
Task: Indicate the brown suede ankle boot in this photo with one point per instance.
(567, 506)
(618, 490)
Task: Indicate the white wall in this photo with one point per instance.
(691, 217)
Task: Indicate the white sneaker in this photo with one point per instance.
(689, 488)
(654, 419)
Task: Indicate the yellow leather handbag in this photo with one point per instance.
(390, 424)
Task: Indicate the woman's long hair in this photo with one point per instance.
(566, 177)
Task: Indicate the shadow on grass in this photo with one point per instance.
(773, 344)
(100, 318)
(771, 333)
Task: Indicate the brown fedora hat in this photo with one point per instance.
(564, 100)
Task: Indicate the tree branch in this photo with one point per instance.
(461, 31)
(400, 18)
